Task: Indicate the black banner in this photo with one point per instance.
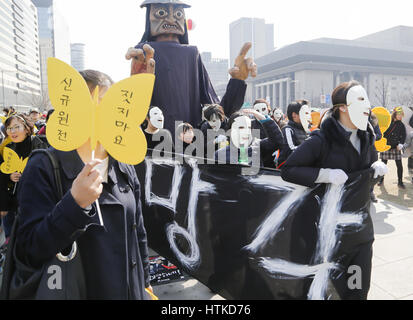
(253, 237)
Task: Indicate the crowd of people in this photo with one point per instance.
(72, 204)
(305, 152)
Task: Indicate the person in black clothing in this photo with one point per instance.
(155, 134)
(343, 145)
(410, 161)
(20, 129)
(214, 128)
(244, 147)
(396, 138)
(297, 129)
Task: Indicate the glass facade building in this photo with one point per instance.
(54, 37)
(19, 53)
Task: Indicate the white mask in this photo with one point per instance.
(305, 117)
(262, 108)
(278, 114)
(215, 123)
(156, 118)
(241, 134)
(359, 107)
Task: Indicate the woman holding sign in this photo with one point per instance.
(114, 255)
(20, 130)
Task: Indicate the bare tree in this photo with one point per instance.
(382, 92)
(40, 101)
(405, 98)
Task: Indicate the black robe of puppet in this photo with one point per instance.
(182, 83)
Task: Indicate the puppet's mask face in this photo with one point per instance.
(359, 107)
(305, 117)
(262, 108)
(156, 118)
(167, 19)
(241, 134)
(215, 123)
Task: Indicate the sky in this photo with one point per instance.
(109, 28)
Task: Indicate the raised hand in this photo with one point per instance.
(87, 187)
(244, 66)
(142, 60)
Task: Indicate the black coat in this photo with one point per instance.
(115, 258)
(396, 134)
(329, 148)
(8, 201)
(294, 135)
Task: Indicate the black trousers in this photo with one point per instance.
(361, 257)
(399, 165)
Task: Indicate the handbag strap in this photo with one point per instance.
(56, 169)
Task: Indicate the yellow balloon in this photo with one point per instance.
(384, 118)
(114, 122)
(12, 162)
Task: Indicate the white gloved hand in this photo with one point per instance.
(400, 147)
(380, 169)
(333, 176)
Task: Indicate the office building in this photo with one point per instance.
(19, 53)
(381, 62)
(78, 56)
(253, 30)
(54, 36)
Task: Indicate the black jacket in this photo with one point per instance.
(115, 258)
(8, 201)
(396, 134)
(294, 135)
(329, 148)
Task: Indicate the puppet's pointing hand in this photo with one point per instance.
(244, 66)
(142, 60)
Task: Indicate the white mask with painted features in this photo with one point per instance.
(156, 118)
(215, 123)
(305, 118)
(359, 107)
(262, 108)
(241, 133)
(278, 115)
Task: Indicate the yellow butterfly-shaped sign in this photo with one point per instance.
(114, 122)
(384, 118)
(12, 162)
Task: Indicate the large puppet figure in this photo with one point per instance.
(182, 85)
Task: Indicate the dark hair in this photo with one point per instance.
(216, 110)
(233, 118)
(295, 107)
(184, 128)
(49, 114)
(95, 78)
(22, 118)
(339, 96)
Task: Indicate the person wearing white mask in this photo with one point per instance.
(263, 107)
(155, 133)
(244, 147)
(343, 145)
(297, 130)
